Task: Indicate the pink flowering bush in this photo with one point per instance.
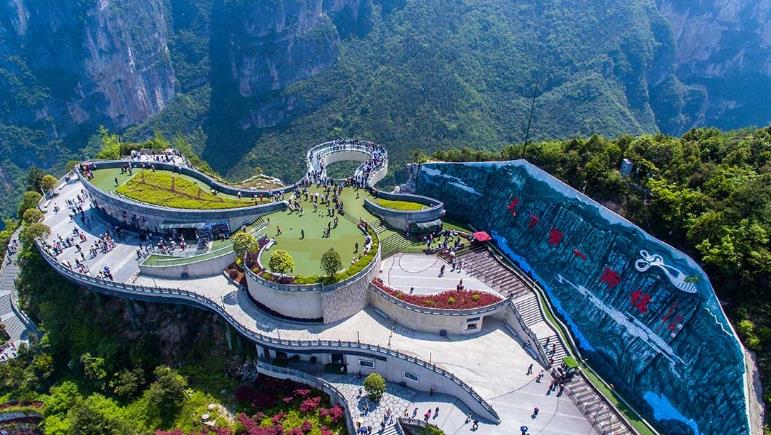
(309, 405)
(450, 299)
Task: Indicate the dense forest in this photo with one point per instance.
(252, 84)
(707, 193)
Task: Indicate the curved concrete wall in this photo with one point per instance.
(644, 313)
(402, 219)
(208, 267)
(346, 300)
(313, 301)
(115, 206)
(458, 322)
(299, 304)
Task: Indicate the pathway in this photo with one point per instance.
(17, 324)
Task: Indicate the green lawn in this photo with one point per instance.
(307, 252)
(176, 191)
(400, 205)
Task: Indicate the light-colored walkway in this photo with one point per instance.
(492, 362)
(423, 272)
(17, 325)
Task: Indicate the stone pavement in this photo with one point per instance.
(492, 362)
(402, 271)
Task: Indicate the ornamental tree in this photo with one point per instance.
(244, 242)
(374, 385)
(281, 262)
(48, 182)
(331, 262)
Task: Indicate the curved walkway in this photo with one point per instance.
(18, 326)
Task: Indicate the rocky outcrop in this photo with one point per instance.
(104, 62)
(722, 62)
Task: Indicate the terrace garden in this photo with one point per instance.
(400, 205)
(448, 300)
(168, 189)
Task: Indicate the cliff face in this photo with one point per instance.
(643, 313)
(86, 62)
(722, 61)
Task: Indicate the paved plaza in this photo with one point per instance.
(493, 362)
(423, 274)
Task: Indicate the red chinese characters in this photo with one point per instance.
(579, 254)
(610, 277)
(640, 300)
(513, 206)
(533, 221)
(555, 237)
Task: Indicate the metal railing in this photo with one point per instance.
(219, 308)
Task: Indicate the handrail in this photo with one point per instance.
(256, 336)
(379, 290)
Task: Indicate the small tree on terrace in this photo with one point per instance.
(32, 215)
(374, 385)
(48, 182)
(244, 243)
(281, 262)
(28, 200)
(331, 262)
(32, 232)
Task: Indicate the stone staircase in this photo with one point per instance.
(597, 411)
(393, 244)
(479, 262)
(18, 327)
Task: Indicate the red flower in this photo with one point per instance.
(311, 404)
(302, 392)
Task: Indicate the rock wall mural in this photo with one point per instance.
(643, 313)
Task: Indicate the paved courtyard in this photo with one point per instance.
(423, 273)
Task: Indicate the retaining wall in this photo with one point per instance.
(195, 269)
(457, 322)
(402, 219)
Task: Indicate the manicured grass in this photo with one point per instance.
(177, 191)
(104, 179)
(307, 252)
(168, 260)
(400, 205)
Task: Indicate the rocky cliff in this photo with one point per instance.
(644, 313)
(722, 61)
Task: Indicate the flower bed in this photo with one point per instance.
(451, 299)
(275, 406)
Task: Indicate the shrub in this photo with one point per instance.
(374, 385)
(48, 182)
(451, 300)
(310, 405)
(32, 215)
(475, 297)
(281, 262)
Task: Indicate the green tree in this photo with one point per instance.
(244, 243)
(28, 200)
(93, 367)
(111, 145)
(126, 383)
(48, 182)
(32, 215)
(281, 262)
(34, 177)
(331, 262)
(32, 232)
(166, 395)
(374, 385)
(98, 415)
(43, 365)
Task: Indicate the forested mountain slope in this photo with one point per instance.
(252, 83)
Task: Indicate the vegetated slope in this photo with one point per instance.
(254, 83)
(707, 193)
